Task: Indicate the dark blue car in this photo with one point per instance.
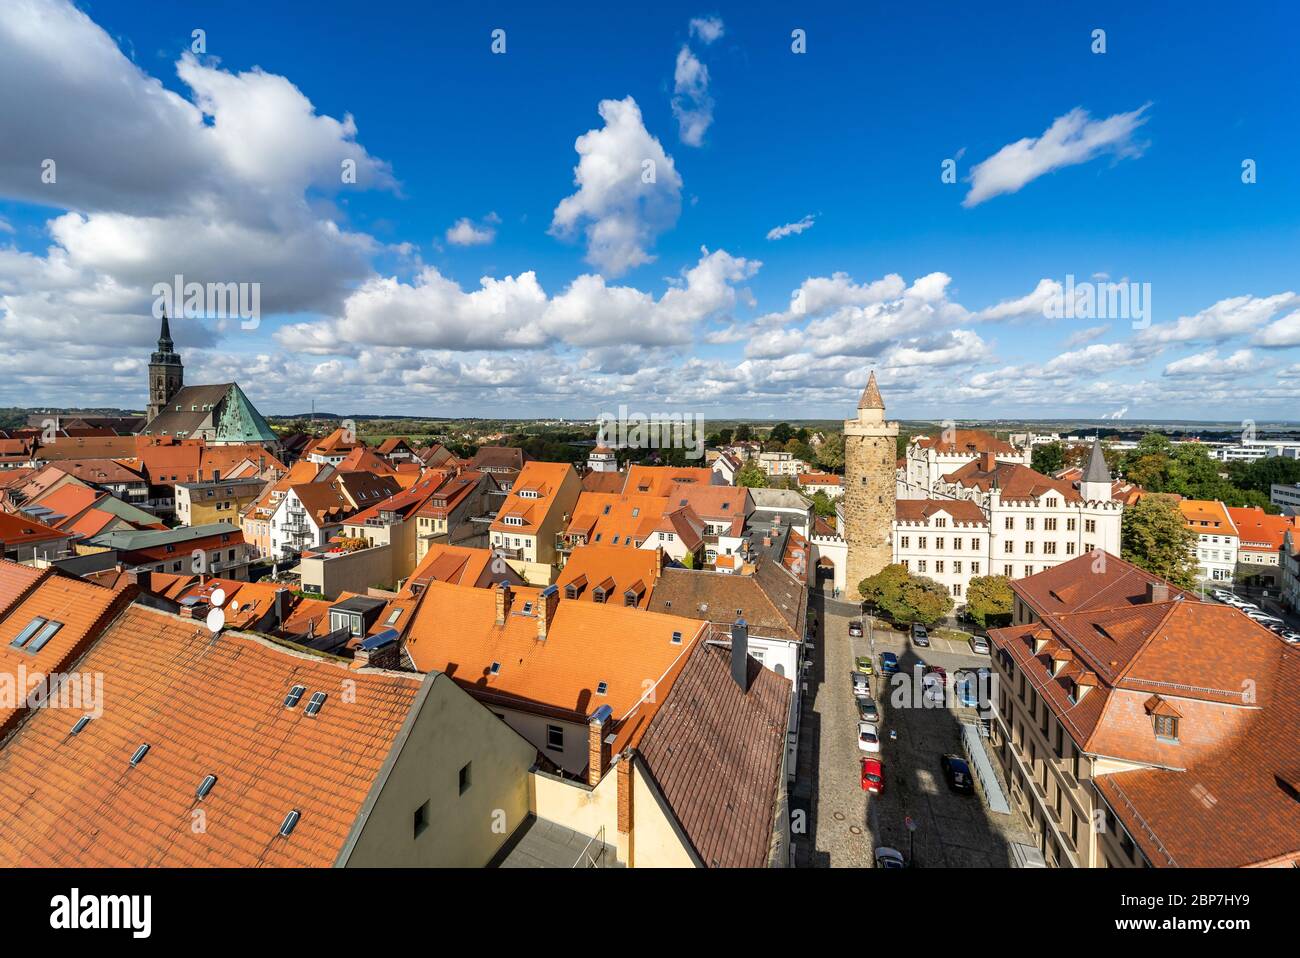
(888, 663)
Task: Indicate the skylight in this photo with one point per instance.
(205, 786)
(290, 820)
(81, 723)
(28, 631)
(602, 688)
(45, 635)
(139, 755)
(317, 700)
(294, 695)
(677, 638)
(496, 668)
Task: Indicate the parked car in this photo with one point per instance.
(863, 662)
(855, 628)
(867, 710)
(873, 775)
(920, 635)
(968, 692)
(868, 737)
(1223, 596)
(979, 644)
(933, 691)
(861, 687)
(888, 663)
(958, 774)
(1290, 636)
(890, 858)
(938, 670)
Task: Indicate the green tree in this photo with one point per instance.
(905, 598)
(743, 433)
(1049, 458)
(750, 476)
(989, 600)
(781, 432)
(830, 454)
(724, 437)
(800, 450)
(1153, 536)
(823, 504)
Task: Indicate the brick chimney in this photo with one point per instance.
(140, 577)
(597, 747)
(504, 598)
(740, 654)
(1158, 591)
(988, 462)
(547, 603)
(281, 603)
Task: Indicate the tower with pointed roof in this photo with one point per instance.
(166, 373)
(870, 454)
(1095, 486)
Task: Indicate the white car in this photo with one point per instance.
(1223, 596)
(868, 737)
(861, 687)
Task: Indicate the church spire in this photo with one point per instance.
(165, 344)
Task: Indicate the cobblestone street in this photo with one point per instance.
(845, 824)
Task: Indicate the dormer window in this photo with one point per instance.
(1166, 728)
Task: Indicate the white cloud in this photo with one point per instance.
(1283, 332)
(1225, 319)
(1031, 306)
(1208, 363)
(708, 29)
(1098, 358)
(5, 226)
(466, 233)
(692, 104)
(628, 191)
(434, 312)
(1084, 336)
(1071, 139)
(780, 232)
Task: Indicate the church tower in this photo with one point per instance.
(870, 455)
(166, 374)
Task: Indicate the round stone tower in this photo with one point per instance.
(870, 455)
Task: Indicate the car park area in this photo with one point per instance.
(850, 815)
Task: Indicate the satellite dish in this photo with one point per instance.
(218, 597)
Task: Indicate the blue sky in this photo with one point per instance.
(369, 306)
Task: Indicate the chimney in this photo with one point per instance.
(1158, 591)
(140, 577)
(503, 602)
(740, 654)
(283, 597)
(597, 747)
(987, 462)
(547, 603)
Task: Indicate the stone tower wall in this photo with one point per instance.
(870, 455)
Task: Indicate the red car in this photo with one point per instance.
(873, 775)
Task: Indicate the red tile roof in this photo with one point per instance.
(205, 707)
(19, 531)
(1257, 531)
(1016, 483)
(966, 442)
(921, 510)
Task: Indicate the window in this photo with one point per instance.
(1010, 522)
(1070, 525)
(205, 786)
(1009, 547)
(1050, 524)
(1029, 548)
(290, 820)
(44, 636)
(920, 565)
(938, 565)
(1167, 727)
(28, 631)
(922, 542)
(1007, 570)
(555, 738)
(294, 695)
(938, 542)
(677, 638)
(956, 567)
(1029, 524)
(602, 688)
(1069, 548)
(956, 543)
(974, 543)
(1049, 548)
(1089, 525)
(975, 568)
(465, 781)
(956, 589)
(904, 542)
(317, 700)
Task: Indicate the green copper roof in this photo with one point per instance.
(240, 421)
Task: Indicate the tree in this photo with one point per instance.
(743, 432)
(1153, 536)
(800, 450)
(830, 454)
(989, 600)
(823, 504)
(905, 598)
(750, 476)
(781, 432)
(1048, 458)
(724, 437)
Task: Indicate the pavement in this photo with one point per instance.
(844, 824)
